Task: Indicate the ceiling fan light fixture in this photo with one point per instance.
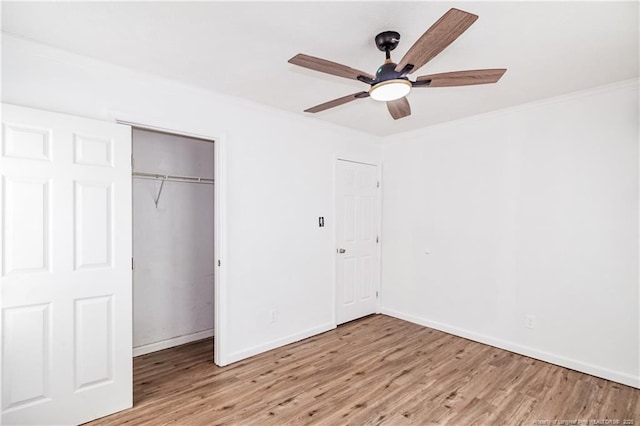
(390, 90)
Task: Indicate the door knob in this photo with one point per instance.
(341, 250)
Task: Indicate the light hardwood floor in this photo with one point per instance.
(377, 370)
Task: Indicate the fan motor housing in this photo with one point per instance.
(388, 71)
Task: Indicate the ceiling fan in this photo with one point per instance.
(391, 84)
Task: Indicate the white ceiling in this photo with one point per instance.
(241, 49)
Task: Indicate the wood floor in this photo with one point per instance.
(378, 370)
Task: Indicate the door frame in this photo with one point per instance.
(220, 357)
(378, 207)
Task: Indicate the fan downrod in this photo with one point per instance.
(386, 41)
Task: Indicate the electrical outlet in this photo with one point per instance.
(530, 321)
(274, 315)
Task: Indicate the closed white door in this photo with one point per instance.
(357, 256)
(66, 267)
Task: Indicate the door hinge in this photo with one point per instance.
(132, 264)
(376, 294)
(133, 161)
(377, 239)
(218, 262)
(378, 184)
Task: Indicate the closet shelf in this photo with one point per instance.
(171, 178)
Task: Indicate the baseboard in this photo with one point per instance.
(169, 343)
(594, 370)
(246, 353)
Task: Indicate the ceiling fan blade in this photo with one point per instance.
(322, 65)
(399, 108)
(337, 102)
(440, 35)
(461, 78)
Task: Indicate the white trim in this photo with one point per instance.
(219, 251)
(169, 343)
(246, 353)
(594, 370)
(220, 204)
(379, 231)
(334, 239)
(162, 129)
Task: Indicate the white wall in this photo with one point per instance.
(533, 210)
(172, 243)
(277, 179)
(528, 211)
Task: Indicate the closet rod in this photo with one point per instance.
(173, 178)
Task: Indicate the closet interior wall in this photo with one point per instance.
(173, 277)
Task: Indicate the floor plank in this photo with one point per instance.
(376, 371)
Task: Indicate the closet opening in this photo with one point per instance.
(174, 262)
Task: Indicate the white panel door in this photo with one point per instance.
(65, 201)
(357, 256)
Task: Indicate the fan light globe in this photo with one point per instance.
(390, 90)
